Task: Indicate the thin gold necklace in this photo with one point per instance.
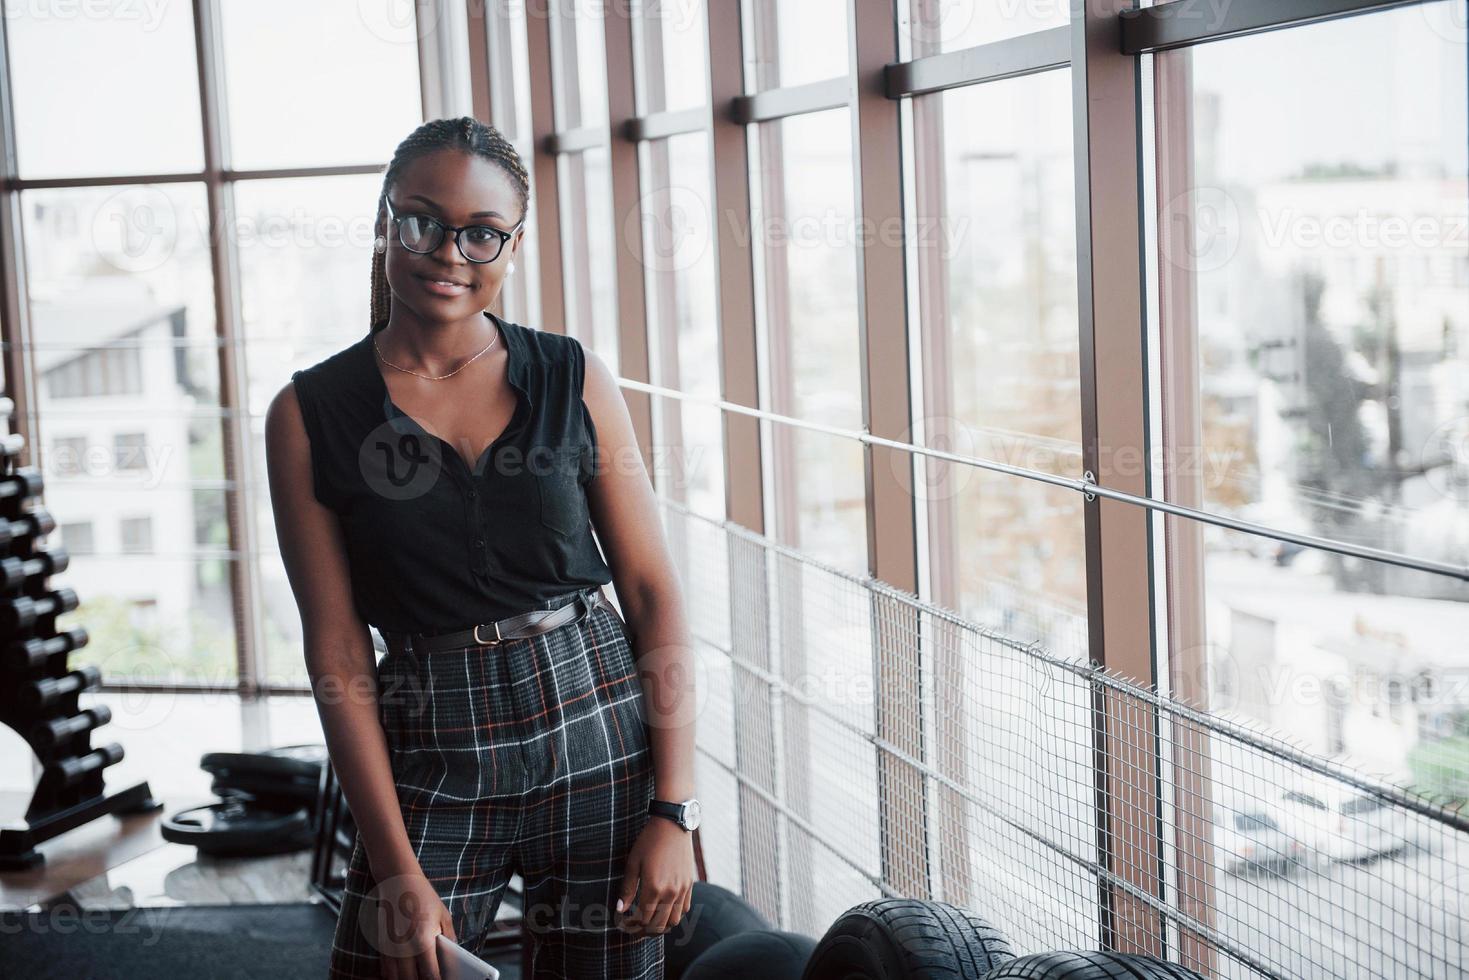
(428, 377)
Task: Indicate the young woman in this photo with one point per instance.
(439, 479)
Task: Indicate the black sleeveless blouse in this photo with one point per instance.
(436, 544)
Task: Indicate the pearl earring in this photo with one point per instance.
(510, 269)
(380, 244)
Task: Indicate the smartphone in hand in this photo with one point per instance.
(458, 963)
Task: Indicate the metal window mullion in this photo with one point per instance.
(667, 422)
(1110, 306)
(233, 379)
(750, 590)
(622, 164)
(892, 551)
(951, 715)
(1182, 427)
(14, 308)
(191, 177)
(1024, 55)
(1179, 23)
(777, 103)
(550, 260)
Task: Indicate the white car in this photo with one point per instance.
(1343, 823)
(1248, 837)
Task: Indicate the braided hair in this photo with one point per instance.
(464, 133)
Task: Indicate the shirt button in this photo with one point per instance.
(479, 542)
(472, 494)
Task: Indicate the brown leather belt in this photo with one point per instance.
(517, 627)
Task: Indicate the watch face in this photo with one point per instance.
(691, 815)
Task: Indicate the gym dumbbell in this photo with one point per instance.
(22, 656)
(21, 612)
(51, 733)
(14, 571)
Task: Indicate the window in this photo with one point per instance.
(136, 535)
(313, 84)
(144, 120)
(130, 450)
(69, 455)
(683, 321)
(806, 226)
(952, 25)
(120, 292)
(672, 67)
(810, 42)
(76, 537)
(995, 240)
(1327, 375)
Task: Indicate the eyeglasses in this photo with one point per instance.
(423, 234)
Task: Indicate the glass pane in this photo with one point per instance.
(952, 25)
(509, 69)
(678, 253)
(1016, 551)
(807, 43)
(121, 76)
(160, 616)
(305, 247)
(312, 84)
(1313, 277)
(807, 225)
(586, 244)
(130, 430)
(996, 250)
(1000, 232)
(120, 294)
(670, 45)
(1332, 282)
(579, 87)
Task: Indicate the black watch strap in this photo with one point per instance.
(664, 808)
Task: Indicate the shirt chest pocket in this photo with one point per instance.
(563, 502)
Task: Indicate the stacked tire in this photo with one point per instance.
(723, 937)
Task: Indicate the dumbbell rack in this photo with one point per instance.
(39, 693)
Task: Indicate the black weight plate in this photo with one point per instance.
(292, 791)
(289, 761)
(234, 826)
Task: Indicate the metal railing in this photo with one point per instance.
(1010, 807)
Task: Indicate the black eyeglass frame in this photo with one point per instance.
(398, 220)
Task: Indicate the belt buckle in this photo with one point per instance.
(488, 643)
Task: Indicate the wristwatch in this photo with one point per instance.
(685, 814)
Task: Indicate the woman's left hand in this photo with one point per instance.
(660, 872)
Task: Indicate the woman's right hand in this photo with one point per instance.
(410, 915)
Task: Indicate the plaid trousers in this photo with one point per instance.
(529, 757)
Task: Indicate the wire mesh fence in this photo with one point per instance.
(855, 742)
